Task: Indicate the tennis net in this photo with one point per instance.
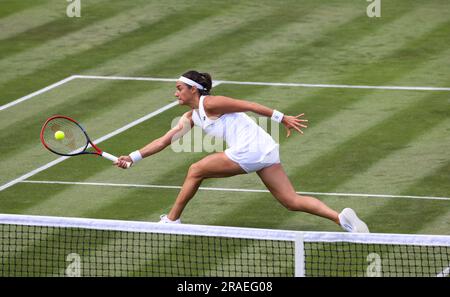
(56, 246)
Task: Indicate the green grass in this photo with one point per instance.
(359, 140)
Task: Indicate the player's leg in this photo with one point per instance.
(215, 165)
(281, 188)
(279, 185)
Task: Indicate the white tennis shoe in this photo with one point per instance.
(165, 220)
(351, 223)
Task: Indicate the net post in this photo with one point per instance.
(299, 255)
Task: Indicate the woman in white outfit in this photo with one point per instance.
(250, 149)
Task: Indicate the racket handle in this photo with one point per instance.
(113, 158)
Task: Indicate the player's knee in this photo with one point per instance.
(195, 171)
(295, 203)
(290, 204)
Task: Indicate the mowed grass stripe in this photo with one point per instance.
(246, 38)
(435, 222)
(285, 62)
(299, 31)
(109, 50)
(59, 27)
(411, 218)
(428, 162)
(81, 40)
(65, 93)
(337, 47)
(19, 16)
(389, 39)
(416, 218)
(309, 47)
(122, 45)
(439, 177)
(381, 139)
(404, 167)
(188, 46)
(11, 7)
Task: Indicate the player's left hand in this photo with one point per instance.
(294, 122)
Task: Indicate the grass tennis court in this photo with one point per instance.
(360, 141)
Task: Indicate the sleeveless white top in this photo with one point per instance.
(247, 142)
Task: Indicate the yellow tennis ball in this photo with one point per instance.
(59, 135)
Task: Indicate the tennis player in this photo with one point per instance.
(250, 149)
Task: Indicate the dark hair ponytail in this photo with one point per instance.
(201, 78)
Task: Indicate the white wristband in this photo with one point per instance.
(136, 156)
(277, 116)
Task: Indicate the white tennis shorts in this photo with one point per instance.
(254, 162)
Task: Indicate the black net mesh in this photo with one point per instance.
(59, 251)
(50, 251)
(388, 260)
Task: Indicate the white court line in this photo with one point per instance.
(272, 84)
(405, 88)
(125, 78)
(444, 273)
(230, 190)
(217, 82)
(34, 94)
(63, 81)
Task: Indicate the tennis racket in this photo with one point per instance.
(74, 142)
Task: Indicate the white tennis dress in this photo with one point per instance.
(248, 144)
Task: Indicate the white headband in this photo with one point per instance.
(191, 82)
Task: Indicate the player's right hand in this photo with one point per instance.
(122, 162)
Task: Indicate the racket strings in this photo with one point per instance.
(74, 140)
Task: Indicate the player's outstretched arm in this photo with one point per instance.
(157, 145)
(222, 104)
